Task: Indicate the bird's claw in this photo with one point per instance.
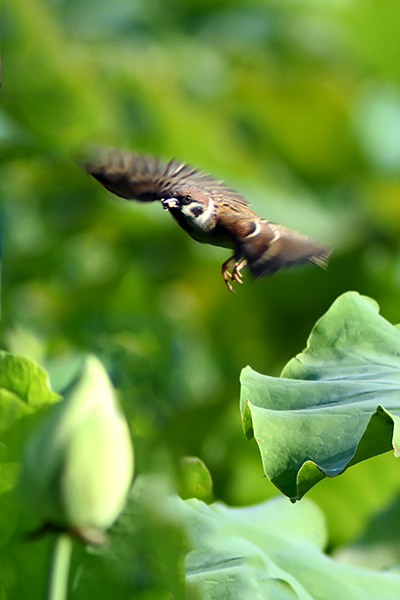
(235, 274)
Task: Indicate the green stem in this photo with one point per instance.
(58, 581)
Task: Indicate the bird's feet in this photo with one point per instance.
(235, 274)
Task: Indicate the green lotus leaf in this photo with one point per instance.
(271, 550)
(334, 405)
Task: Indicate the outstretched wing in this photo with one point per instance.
(142, 177)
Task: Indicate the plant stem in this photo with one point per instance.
(58, 580)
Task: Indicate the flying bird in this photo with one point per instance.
(208, 210)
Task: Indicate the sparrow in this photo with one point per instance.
(208, 210)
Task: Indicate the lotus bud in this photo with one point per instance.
(78, 467)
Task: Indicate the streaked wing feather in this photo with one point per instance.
(238, 222)
(142, 177)
(283, 248)
(277, 246)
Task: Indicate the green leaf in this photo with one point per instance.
(335, 404)
(25, 393)
(194, 479)
(24, 390)
(232, 558)
(25, 379)
(271, 550)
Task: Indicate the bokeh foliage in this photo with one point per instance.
(296, 104)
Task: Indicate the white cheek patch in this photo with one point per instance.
(207, 214)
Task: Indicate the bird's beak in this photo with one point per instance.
(169, 203)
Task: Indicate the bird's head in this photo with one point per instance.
(195, 207)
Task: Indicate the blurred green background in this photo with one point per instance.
(296, 104)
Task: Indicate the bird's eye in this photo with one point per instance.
(186, 199)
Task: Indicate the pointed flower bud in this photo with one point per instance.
(78, 467)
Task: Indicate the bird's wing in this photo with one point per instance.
(142, 177)
(268, 246)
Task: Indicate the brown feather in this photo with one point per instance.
(146, 178)
(276, 246)
(238, 223)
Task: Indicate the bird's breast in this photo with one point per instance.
(214, 235)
